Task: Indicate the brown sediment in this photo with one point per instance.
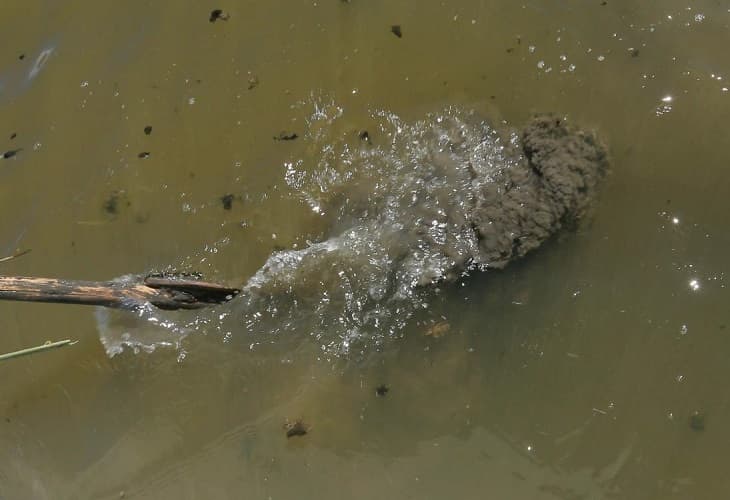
(552, 187)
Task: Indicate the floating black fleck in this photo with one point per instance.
(218, 15)
(10, 153)
(285, 136)
(396, 30)
(227, 200)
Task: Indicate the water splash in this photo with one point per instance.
(416, 204)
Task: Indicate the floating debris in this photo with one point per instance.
(396, 30)
(18, 253)
(148, 130)
(365, 136)
(10, 153)
(285, 136)
(296, 428)
(253, 82)
(381, 390)
(227, 200)
(31, 350)
(218, 15)
(144, 154)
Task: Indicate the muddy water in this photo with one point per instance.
(573, 373)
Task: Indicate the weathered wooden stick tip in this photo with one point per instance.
(167, 292)
(185, 293)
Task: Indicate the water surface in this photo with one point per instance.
(571, 374)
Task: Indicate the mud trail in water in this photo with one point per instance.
(412, 206)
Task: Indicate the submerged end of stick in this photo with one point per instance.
(172, 292)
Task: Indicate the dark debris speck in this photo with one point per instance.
(297, 428)
(218, 15)
(13, 136)
(227, 201)
(396, 30)
(21, 57)
(143, 155)
(111, 204)
(382, 390)
(285, 136)
(634, 52)
(10, 153)
(148, 130)
(365, 136)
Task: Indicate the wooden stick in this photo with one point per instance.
(165, 292)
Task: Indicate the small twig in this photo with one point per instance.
(48, 345)
(164, 292)
(18, 253)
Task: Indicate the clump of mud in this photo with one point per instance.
(552, 185)
(417, 204)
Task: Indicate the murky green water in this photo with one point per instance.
(571, 374)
